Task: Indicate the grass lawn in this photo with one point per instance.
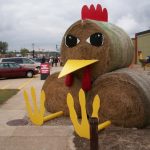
(5, 94)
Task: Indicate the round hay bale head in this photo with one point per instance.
(116, 49)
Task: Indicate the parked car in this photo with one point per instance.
(39, 60)
(23, 61)
(14, 70)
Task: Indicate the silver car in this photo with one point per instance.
(23, 61)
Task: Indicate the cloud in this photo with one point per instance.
(44, 22)
(128, 23)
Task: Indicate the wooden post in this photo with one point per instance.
(93, 133)
(136, 49)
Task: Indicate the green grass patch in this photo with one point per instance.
(5, 94)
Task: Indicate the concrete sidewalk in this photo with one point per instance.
(31, 137)
(36, 138)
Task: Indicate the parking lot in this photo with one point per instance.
(16, 103)
(20, 83)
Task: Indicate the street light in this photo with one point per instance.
(33, 49)
(57, 48)
(15, 53)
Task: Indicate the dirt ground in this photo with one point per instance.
(112, 138)
(116, 138)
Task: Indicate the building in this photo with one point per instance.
(142, 45)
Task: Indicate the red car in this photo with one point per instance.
(13, 70)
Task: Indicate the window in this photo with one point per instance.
(1, 66)
(7, 60)
(4, 66)
(13, 65)
(27, 61)
(18, 60)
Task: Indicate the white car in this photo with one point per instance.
(23, 61)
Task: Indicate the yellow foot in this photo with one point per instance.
(37, 115)
(83, 128)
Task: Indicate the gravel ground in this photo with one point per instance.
(116, 138)
(112, 138)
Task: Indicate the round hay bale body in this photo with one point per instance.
(125, 98)
(116, 51)
(56, 94)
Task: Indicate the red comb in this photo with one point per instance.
(93, 13)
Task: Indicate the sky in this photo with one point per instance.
(44, 22)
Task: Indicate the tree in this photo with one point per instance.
(3, 47)
(24, 51)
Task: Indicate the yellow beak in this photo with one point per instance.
(73, 65)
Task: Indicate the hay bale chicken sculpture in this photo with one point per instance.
(94, 53)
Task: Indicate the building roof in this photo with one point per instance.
(143, 32)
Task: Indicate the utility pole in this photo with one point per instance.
(57, 48)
